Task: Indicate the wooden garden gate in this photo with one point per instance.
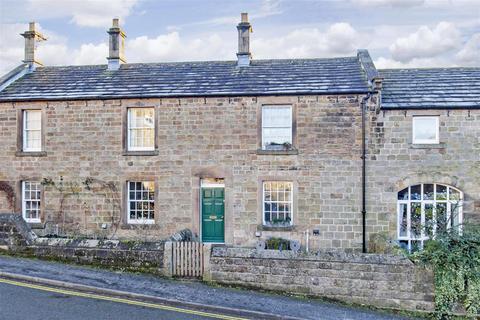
(187, 259)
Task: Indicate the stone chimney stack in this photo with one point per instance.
(244, 28)
(116, 46)
(31, 38)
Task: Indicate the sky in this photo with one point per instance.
(397, 33)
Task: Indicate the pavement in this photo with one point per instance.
(191, 295)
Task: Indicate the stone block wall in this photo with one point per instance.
(15, 234)
(124, 255)
(197, 138)
(394, 163)
(384, 281)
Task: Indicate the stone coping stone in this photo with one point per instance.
(332, 256)
(22, 227)
(100, 244)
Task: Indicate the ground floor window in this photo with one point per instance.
(31, 201)
(426, 209)
(141, 202)
(277, 202)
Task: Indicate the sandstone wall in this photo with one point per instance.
(212, 137)
(394, 162)
(380, 280)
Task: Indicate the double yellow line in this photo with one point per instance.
(119, 300)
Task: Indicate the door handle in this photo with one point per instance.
(213, 217)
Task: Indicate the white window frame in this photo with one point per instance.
(426, 141)
(26, 199)
(264, 107)
(142, 220)
(25, 130)
(423, 237)
(268, 223)
(130, 129)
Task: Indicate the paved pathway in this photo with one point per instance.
(187, 291)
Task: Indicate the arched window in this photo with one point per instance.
(426, 209)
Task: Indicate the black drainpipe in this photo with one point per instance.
(364, 153)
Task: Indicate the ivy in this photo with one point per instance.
(455, 259)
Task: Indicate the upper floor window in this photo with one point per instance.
(425, 210)
(277, 203)
(32, 130)
(140, 202)
(276, 127)
(425, 130)
(31, 201)
(141, 129)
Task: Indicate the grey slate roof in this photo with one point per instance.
(222, 78)
(447, 88)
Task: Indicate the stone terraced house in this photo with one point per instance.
(328, 152)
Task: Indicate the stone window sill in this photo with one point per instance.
(277, 152)
(275, 228)
(141, 153)
(31, 154)
(126, 226)
(428, 146)
(36, 225)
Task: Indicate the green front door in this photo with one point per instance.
(213, 214)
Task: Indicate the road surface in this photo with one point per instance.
(20, 300)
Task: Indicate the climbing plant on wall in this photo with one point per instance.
(6, 188)
(86, 189)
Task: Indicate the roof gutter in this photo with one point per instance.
(178, 96)
(433, 108)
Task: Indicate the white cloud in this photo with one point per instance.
(11, 46)
(426, 42)
(388, 3)
(89, 13)
(469, 55)
(172, 47)
(466, 55)
(388, 63)
(91, 54)
(338, 39)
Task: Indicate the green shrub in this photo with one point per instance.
(278, 244)
(455, 258)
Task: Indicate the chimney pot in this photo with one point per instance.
(244, 29)
(116, 46)
(378, 83)
(31, 38)
(244, 17)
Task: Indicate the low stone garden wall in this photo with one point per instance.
(125, 255)
(384, 281)
(17, 238)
